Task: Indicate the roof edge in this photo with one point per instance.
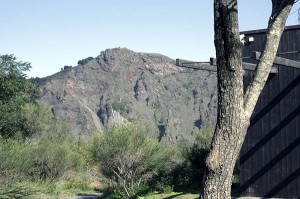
(292, 27)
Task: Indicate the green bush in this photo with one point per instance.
(128, 158)
(121, 107)
(25, 162)
(191, 172)
(15, 161)
(85, 61)
(15, 92)
(52, 159)
(163, 188)
(15, 166)
(34, 146)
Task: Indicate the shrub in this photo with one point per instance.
(121, 107)
(15, 165)
(85, 61)
(163, 188)
(128, 158)
(14, 158)
(52, 159)
(194, 156)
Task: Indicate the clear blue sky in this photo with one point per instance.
(53, 33)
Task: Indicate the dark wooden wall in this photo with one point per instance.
(270, 156)
(290, 42)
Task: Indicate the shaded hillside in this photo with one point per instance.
(120, 85)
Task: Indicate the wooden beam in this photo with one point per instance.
(249, 66)
(278, 60)
(246, 66)
(207, 67)
(212, 65)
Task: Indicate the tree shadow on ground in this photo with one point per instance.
(176, 195)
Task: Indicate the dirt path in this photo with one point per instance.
(87, 196)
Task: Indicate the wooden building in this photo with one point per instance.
(270, 156)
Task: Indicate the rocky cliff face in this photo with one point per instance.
(120, 85)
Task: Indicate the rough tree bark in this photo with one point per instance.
(234, 106)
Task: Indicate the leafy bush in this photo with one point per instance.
(15, 166)
(194, 165)
(85, 61)
(163, 188)
(53, 157)
(128, 158)
(15, 161)
(40, 160)
(34, 146)
(67, 67)
(13, 120)
(121, 107)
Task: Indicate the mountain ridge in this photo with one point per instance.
(121, 85)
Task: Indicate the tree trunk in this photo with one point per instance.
(235, 108)
(224, 148)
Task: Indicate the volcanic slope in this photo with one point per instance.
(121, 86)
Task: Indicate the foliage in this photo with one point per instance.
(52, 159)
(67, 67)
(55, 152)
(36, 118)
(194, 157)
(15, 92)
(14, 162)
(34, 145)
(204, 136)
(161, 187)
(128, 158)
(77, 184)
(42, 159)
(85, 61)
(37, 121)
(121, 107)
(12, 80)
(20, 191)
(15, 166)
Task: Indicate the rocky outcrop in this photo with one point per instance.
(120, 85)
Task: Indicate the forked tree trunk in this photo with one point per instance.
(234, 107)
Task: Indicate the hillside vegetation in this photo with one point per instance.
(106, 129)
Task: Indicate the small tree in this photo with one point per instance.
(15, 92)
